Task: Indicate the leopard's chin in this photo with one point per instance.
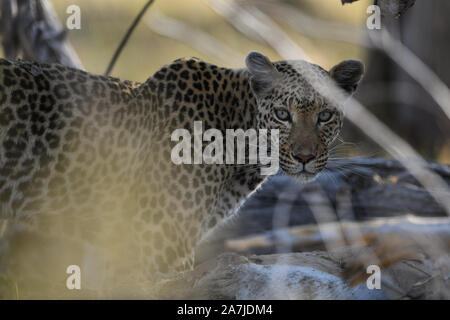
(304, 176)
(301, 176)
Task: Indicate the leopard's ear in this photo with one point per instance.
(263, 74)
(348, 74)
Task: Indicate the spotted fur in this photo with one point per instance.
(86, 176)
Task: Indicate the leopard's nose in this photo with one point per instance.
(303, 158)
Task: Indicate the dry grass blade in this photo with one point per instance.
(193, 37)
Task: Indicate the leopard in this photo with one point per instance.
(87, 177)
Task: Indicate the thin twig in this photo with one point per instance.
(258, 26)
(372, 127)
(126, 37)
(383, 40)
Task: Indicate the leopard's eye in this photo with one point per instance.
(325, 116)
(282, 114)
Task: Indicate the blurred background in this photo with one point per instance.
(223, 32)
(104, 22)
(405, 87)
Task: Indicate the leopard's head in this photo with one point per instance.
(307, 122)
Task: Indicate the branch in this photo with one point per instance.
(127, 36)
(434, 231)
(382, 242)
(32, 29)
